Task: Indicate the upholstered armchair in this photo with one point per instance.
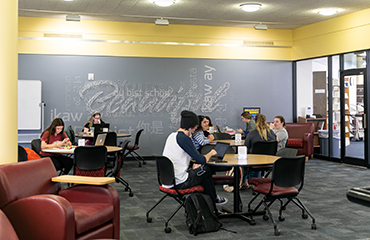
(301, 137)
(39, 209)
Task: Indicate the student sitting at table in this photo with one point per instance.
(250, 124)
(206, 132)
(199, 138)
(179, 148)
(95, 119)
(261, 133)
(54, 136)
(281, 133)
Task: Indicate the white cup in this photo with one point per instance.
(238, 138)
(105, 129)
(211, 130)
(81, 142)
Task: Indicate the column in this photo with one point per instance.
(8, 81)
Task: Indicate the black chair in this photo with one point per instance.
(22, 154)
(111, 140)
(166, 177)
(116, 172)
(287, 173)
(131, 149)
(221, 136)
(36, 145)
(71, 134)
(90, 161)
(287, 152)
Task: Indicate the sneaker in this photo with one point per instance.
(220, 200)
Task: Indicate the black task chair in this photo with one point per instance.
(22, 154)
(221, 136)
(131, 149)
(166, 177)
(287, 173)
(111, 140)
(36, 145)
(90, 161)
(116, 172)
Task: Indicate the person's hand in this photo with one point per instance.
(239, 130)
(272, 126)
(213, 152)
(196, 165)
(211, 137)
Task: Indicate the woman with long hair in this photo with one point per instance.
(94, 119)
(54, 136)
(199, 138)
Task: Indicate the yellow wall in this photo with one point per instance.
(148, 40)
(8, 79)
(343, 34)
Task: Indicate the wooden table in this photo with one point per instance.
(110, 149)
(233, 161)
(83, 180)
(91, 136)
(229, 141)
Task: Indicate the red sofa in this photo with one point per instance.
(301, 137)
(39, 209)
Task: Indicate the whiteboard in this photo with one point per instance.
(29, 107)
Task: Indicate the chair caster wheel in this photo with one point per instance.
(149, 220)
(252, 222)
(304, 216)
(277, 232)
(313, 226)
(281, 218)
(130, 194)
(265, 217)
(167, 230)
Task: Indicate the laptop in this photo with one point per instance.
(100, 140)
(221, 151)
(99, 128)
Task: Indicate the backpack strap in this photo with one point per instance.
(194, 198)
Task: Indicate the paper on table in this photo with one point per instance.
(242, 154)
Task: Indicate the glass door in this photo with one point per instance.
(352, 110)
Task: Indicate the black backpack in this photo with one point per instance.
(200, 214)
(71, 134)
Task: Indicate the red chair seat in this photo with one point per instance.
(90, 216)
(132, 147)
(172, 191)
(265, 188)
(295, 143)
(259, 181)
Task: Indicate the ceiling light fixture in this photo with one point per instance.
(327, 11)
(164, 3)
(163, 22)
(250, 7)
(73, 17)
(260, 27)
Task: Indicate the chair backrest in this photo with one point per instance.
(25, 179)
(6, 229)
(287, 152)
(71, 134)
(297, 130)
(138, 137)
(90, 161)
(111, 139)
(22, 154)
(289, 172)
(221, 136)
(119, 160)
(165, 171)
(262, 147)
(36, 145)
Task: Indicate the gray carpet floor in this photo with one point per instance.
(324, 194)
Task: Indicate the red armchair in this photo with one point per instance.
(301, 137)
(38, 208)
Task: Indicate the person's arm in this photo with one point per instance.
(86, 127)
(211, 137)
(45, 145)
(187, 145)
(66, 141)
(200, 138)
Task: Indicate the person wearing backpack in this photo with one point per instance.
(179, 148)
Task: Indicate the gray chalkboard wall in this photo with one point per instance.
(149, 93)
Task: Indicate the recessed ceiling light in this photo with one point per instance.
(327, 11)
(68, 0)
(250, 7)
(164, 3)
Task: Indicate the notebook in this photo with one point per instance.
(100, 140)
(221, 151)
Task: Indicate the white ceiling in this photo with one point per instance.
(280, 14)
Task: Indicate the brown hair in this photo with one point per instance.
(282, 119)
(246, 115)
(261, 126)
(51, 129)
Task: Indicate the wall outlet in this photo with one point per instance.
(90, 76)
